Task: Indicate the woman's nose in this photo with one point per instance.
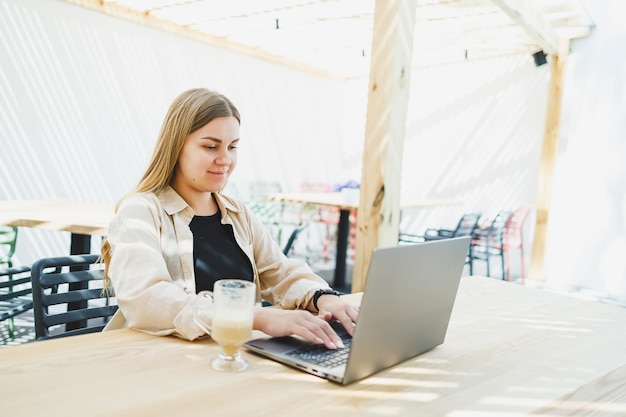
(223, 158)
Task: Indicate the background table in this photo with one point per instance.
(81, 219)
(341, 202)
(510, 351)
(345, 205)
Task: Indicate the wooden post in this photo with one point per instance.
(548, 159)
(390, 73)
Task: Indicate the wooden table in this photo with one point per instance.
(81, 219)
(345, 205)
(510, 351)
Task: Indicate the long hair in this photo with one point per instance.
(190, 111)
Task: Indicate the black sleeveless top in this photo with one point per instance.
(216, 254)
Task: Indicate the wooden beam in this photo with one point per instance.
(548, 160)
(530, 19)
(390, 73)
(149, 20)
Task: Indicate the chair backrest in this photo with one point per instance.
(516, 223)
(268, 211)
(68, 296)
(497, 227)
(493, 236)
(8, 239)
(15, 291)
(466, 224)
(292, 239)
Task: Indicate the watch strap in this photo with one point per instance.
(319, 293)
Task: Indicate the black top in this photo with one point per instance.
(216, 254)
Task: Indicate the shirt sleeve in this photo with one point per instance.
(148, 298)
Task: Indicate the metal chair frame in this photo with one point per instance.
(514, 239)
(465, 227)
(489, 242)
(15, 294)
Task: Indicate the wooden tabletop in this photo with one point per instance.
(78, 217)
(510, 351)
(345, 201)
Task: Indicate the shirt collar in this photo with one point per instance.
(173, 203)
(226, 203)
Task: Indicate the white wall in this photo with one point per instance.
(474, 134)
(587, 227)
(82, 97)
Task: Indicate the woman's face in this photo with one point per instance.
(208, 157)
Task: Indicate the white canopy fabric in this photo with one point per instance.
(334, 37)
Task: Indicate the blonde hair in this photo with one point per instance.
(190, 111)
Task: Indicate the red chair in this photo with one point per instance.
(513, 239)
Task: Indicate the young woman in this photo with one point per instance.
(176, 234)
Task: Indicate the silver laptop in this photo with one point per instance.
(405, 310)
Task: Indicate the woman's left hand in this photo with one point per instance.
(333, 307)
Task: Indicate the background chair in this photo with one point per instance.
(513, 239)
(488, 242)
(465, 227)
(8, 240)
(292, 239)
(15, 294)
(269, 212)
(68, 296)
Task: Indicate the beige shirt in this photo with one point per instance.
(152, 270)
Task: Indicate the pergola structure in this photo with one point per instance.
(382, 40)
(334, 37)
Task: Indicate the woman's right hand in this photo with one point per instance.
(316, 329)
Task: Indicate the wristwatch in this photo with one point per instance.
(319, 293)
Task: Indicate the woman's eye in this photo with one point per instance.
(211, 147)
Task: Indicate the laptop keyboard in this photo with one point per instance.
(320, 355)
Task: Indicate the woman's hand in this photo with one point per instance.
(316, 329)
(333, 307)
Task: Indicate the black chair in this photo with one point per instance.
(292, 239)
(68, 296)
(489, 241)
(465, 227)
(15, 294)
